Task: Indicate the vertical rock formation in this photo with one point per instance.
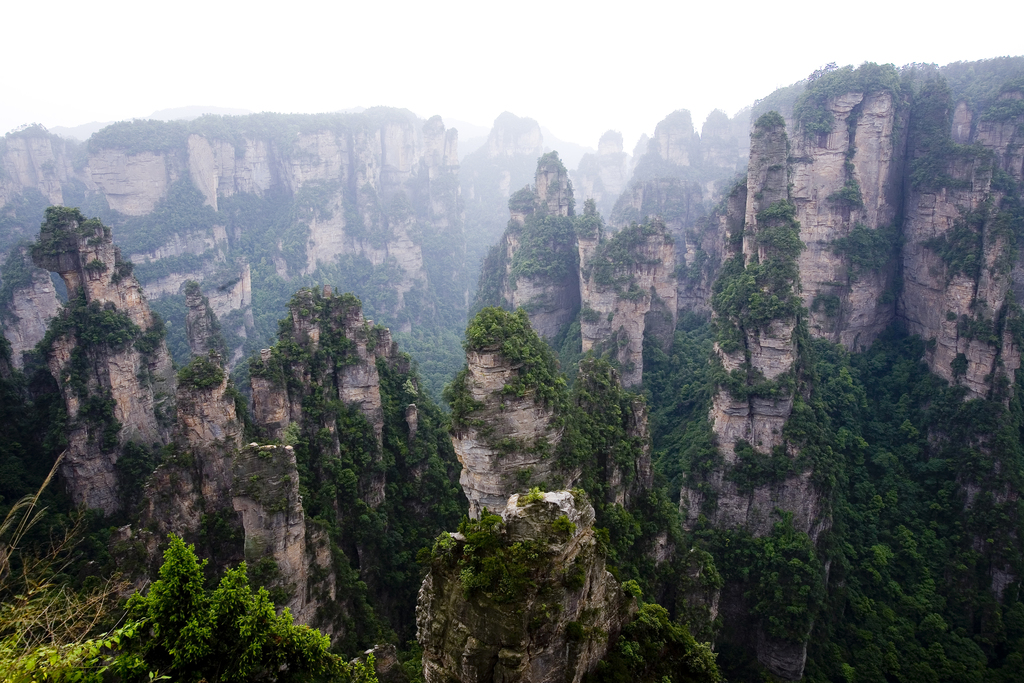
(628, 288)
(106, 352)
(201, 325)
(756, 310)
(620, 447)
(329, 353)
(266, 496)
(847, 189)
(552, 622)
(491, 174)
(507, 412)
(959, 257)
(603, 176)
(536, 262)
(29, 306)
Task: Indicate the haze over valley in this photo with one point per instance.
(621, 354)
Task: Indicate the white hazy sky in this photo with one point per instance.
(579, 68)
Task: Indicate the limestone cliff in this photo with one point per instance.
(551, 622)
(505, 432)
(535, 265)
(106, 352)
(603, 176)
(628, 289)
(31, 304)
(846, 183)
(960, 261)
(329, 353)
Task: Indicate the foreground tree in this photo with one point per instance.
(231, 634)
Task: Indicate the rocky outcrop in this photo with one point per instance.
(959, 269)
(845, 183)
(508, 441)
(557, 623)
(201, 325)
(541, 263)
(33, 304)
(330, 346)
(106, 354)
(628, 289)
(34, 159)
(603, 176)
(766, 351)
(266, 497)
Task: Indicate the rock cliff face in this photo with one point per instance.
(958, 263)
(192, 203)
(539, 245)
(603, 176)
(628, 288)
(508, 442)
(335, 350)
(847, 182)
(33, 159)
(110, 361)
(33, 304)
(555, 627)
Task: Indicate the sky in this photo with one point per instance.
(579, 68)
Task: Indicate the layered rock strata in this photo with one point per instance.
(28, 313)
(960, 270)
(508, 442)
(540, 245)
(556, 629)
(117, 384)
(845, 183)
(628, 289)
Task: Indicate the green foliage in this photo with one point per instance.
(494, 329)
(748, 297)
(616, 260)
(790, 590)
(230, 634)
(204, 372)
(491, 564)
(15, 274)
(961, 248)
(867, 249)
(811, 109)
(848, 196)
(934, 153)
(341, 464)
(653, 649)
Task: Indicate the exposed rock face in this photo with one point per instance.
(540, 232)
(139, 382)
(35, 159)
(338, 351)
(627, 288)
(28, 314)
(958, 307)
(266, 496)
(511, 449)
(603, 176)
(555, 630)
(201, 325)
(771, 350)
(861, 156)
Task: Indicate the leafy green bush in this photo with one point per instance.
(202, 373)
